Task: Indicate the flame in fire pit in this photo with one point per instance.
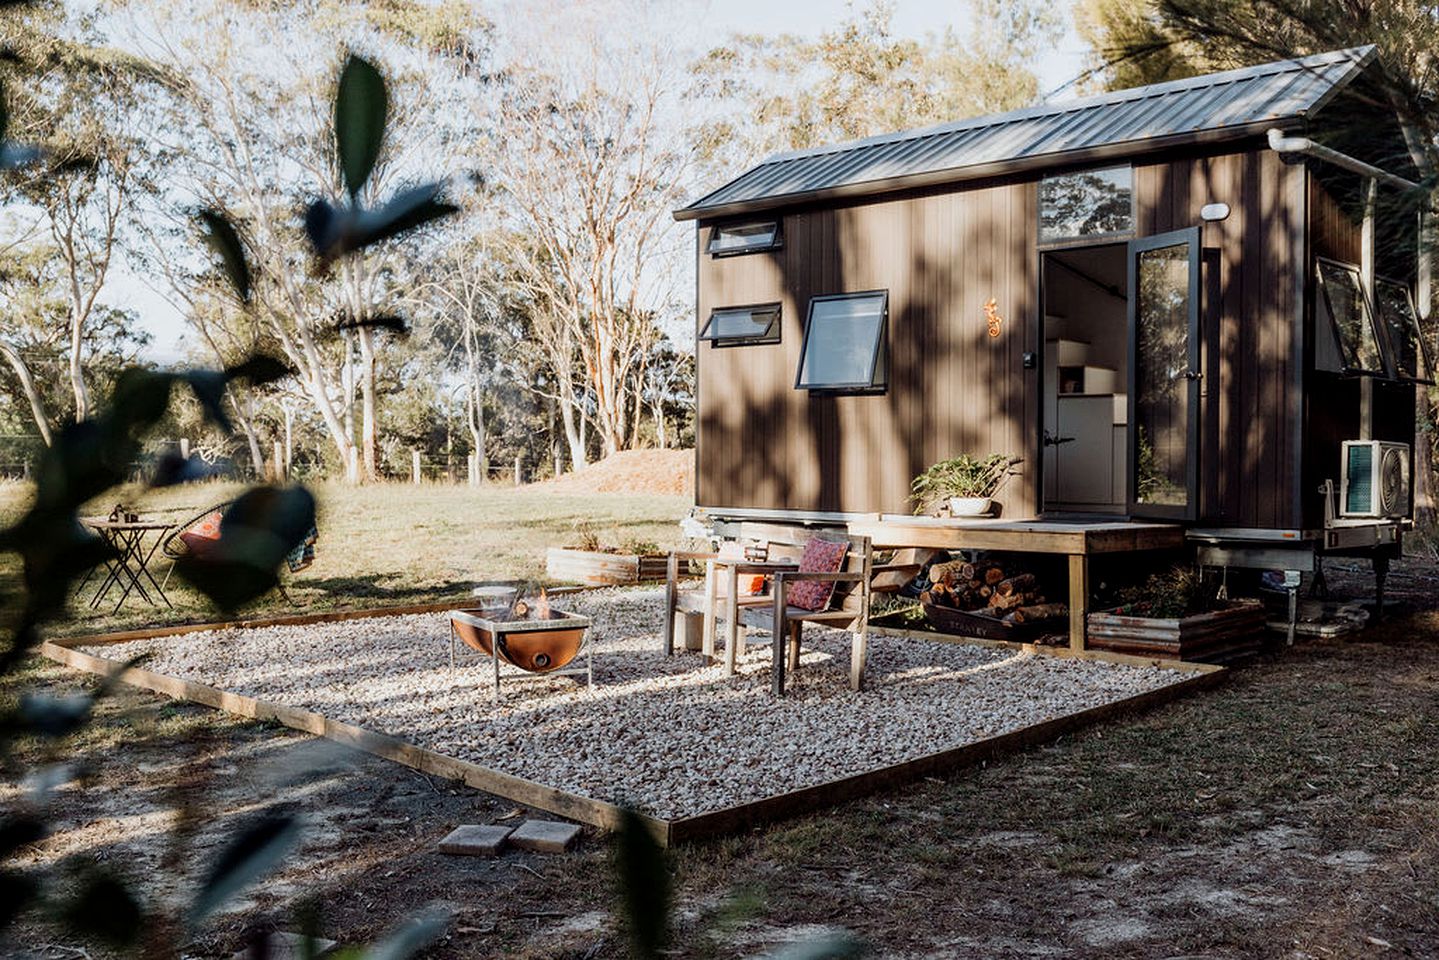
(542, 606)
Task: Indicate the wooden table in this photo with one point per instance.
(1077, 540)
(130, 569)
(731, 570)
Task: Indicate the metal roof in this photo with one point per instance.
(1216, 106)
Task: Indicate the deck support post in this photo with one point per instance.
(1078, 599)
(1381, 573)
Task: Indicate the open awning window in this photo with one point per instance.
(1342, 303)
(738, 326)
(1401, 323)
(844, 343)
(731, 239)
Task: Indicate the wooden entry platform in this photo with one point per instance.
(1079, 540)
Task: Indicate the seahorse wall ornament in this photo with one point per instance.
(992, 317)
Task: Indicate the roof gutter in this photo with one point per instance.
(1280, 143)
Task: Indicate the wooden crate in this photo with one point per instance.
(598, 569)
(1216, 635)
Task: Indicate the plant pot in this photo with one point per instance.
(598, 569)
(969, 506)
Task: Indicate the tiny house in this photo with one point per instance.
(1192, 302)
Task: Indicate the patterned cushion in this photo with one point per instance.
(820, 556)
(202, 535)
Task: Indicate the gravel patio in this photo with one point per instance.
(667, 735)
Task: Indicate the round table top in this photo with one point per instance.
(105, 523)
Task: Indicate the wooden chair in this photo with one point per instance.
(848, 608)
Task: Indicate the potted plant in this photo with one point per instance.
(965, 483)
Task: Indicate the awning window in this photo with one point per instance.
(844, 343)
(731, 239)
(738, 326)
(1401, 323)
(1345, 307)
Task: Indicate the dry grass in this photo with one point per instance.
(394, 544)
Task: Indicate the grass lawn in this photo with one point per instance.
(394, 544)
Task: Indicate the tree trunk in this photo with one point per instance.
(476, 404)
(77, 370)
(369, 429)
(32, 393)
(574, 434)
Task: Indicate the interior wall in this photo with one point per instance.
(1086, 324)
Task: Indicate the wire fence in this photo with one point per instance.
(20, 455)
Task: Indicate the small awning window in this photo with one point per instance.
(727, 240)
(737, 326)
(1406, 341)
(1343, 303)
(844, 343)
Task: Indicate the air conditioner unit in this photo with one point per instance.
(1375, 479)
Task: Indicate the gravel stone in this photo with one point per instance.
(669, 735)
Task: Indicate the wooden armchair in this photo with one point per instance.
(848, 607)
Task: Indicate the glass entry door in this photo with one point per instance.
(1164, 372)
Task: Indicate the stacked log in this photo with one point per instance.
(990, 588)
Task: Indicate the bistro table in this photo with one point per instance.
(130, 568)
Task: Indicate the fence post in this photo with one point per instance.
(518, 476)
(184, 448)
(414, 466)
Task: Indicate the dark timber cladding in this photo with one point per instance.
(954, 389)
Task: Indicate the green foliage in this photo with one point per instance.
(961, 476)
(361, 104)
(225, 241)
(1179, 591)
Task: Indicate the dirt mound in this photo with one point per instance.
(664, 472)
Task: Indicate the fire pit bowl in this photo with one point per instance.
(532, 644)
(538, 641)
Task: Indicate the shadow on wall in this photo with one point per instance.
(952, 388)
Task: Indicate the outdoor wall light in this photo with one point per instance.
(1214, 212)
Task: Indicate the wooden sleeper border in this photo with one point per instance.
(600, 813)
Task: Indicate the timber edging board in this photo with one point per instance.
(600, 813)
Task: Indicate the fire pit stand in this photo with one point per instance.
(542, 646)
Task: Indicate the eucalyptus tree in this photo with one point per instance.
(75, 98)
(759, 94)
(247, 116)
(590, 155)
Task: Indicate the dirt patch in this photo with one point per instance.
(661, 472)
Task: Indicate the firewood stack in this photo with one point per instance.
(991, 589)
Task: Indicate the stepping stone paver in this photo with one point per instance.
(284, 945)
(545, 836)
(475, 840)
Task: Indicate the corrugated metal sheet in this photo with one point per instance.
(1211, 107)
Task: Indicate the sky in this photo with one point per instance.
(716, 19)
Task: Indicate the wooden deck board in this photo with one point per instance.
(1021, 536)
